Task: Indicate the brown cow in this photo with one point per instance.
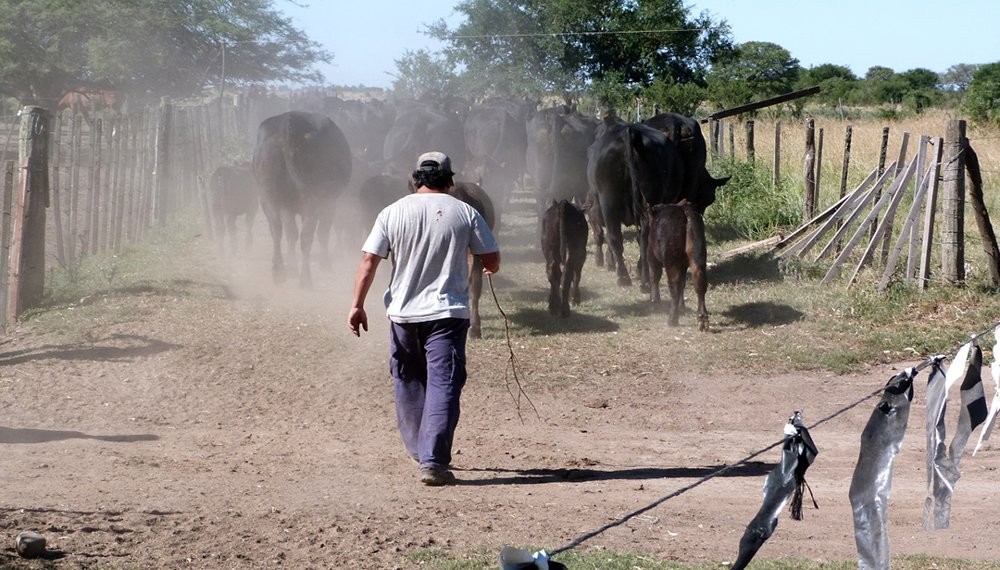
(474, 195)
(564, 244)
(676, 243)
(89, 100)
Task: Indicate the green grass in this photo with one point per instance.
(602, 559)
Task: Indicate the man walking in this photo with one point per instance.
(429, 235)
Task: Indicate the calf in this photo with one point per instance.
(233, 194)
(677, 242)
(564, 243)
(474, 195)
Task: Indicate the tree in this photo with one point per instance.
(757, 70)
(420, 74)
(958, 76)
(147, 46)
(982, 101)
(562, 46)
(837, 83)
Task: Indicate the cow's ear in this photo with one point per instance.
(721, 181)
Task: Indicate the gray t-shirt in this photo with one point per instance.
(429, 237)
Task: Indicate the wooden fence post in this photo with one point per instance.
(819, 164)
(732, 141)
(847, 161)
(161, 166)
(929, 213)
(777, 153)
(913, 252)
(97, 137)
(953, 204)
(56, 159)
(75, 151)
(845, 167)
(713, 136)
(27, 255)
(5, 239)
(750, 150)
(809, 169)
(982, 216)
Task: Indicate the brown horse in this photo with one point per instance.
(89, 100)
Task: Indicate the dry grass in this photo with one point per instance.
(866, 143)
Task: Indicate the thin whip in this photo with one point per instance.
(512, 366)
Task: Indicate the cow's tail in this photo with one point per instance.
(639, 207)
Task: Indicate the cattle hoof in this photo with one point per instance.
(644, 288)
(475, 333)
(624, 282)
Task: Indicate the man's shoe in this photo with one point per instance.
(433, 477)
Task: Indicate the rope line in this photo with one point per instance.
(511, 369)
(721, 470)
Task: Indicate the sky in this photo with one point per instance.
(367, 36)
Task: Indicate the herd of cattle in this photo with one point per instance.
(333, 170)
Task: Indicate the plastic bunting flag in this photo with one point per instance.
(519, 559)
(786, 481)
(995, 373)
(872, 480)
(939, 467)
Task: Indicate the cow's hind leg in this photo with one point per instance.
(697, 254)
(655, 274)
(306, 238)
(249, 219)
(323, 235)
(676, 276)
(554, 270)
(277, 262)
(231, 231)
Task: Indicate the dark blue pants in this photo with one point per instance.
(427, 362)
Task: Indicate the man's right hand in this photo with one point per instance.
(356, 320)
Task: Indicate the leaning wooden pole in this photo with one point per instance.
(953, 204)
(982, 216)
(31, 197)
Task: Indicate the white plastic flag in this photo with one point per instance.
(995, 373)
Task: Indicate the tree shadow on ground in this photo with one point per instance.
(138, 347)
(540, 476)
(541, 322)
(745, 269)
(30, 435)
(754, 315)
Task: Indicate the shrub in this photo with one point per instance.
(750, 207)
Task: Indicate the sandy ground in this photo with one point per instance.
(227, 422)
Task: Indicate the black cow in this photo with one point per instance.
(676, 244)
(233, 194)
(557, 154)
(417, 127)
(564, 244)
(361, 204)
(498, 143)
(364, 123)
(699, 185)
(302, 162)
(474, 195)
(630, 168)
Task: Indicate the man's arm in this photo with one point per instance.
(491, 262)
(357, 318)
